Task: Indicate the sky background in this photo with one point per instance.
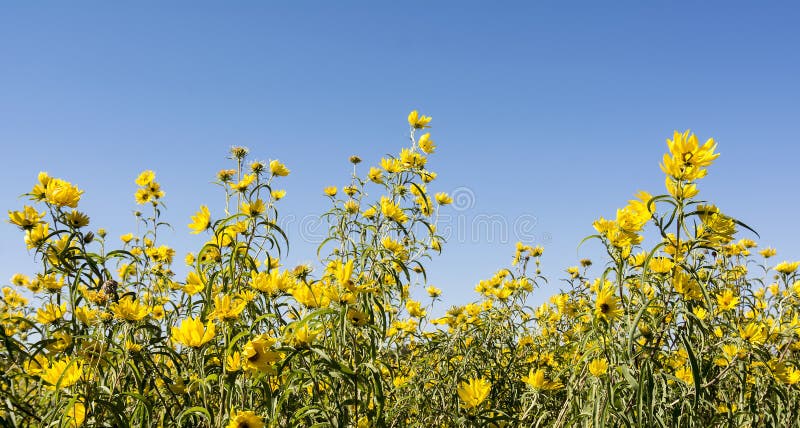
(546, 114)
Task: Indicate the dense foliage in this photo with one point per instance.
(689, 330)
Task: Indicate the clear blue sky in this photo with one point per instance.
(553, 111)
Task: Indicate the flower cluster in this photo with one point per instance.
(690, 329)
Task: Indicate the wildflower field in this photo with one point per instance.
(698, 327)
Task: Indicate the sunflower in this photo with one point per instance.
(607, 305)
(245, 420)
(257, 354)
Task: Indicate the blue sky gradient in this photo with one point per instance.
(554, 113)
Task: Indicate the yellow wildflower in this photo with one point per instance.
(201, 220)
(787, 267)
(417, 121)
(277, 168)
(25, 219)
(607, 304)
(426, 144)
(258, 355)
(145, 178)
(62, 373)
(62, 193)
(50, 313)
(129, 309)
(598, 367)
(192, 333)
(245, 420)
(392, 210)
(474, 391)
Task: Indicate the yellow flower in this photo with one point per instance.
(687, 286)
(417, 121)
(351, 206)
(792, 376)
(132, 346)
(443, 198)
(162, 254)
(350, 190)
(680, 189)
(304, 335)
(158, 312)
(414, 309)
(660, 264)
(330, 191)
(768, 252)
(375, 175)
(391, 165)
(426, 144)
(245, 420)
(145, 178)
(312, 296)
(273, 282)
(753, 333)
(50, 313)
(400, 381)
(12, 298)
(226, 308)
(194, 284)
(370, 213)
(36, 236)
(700, 313)
(685, 374)
(717, 227)
(357, 317)
(598, 367)
(397, 249)
(278, 194)
(129, 309)
(62, 374)
(726, 300)
(142, 196)
(233, 362)
(433, 291)
(688, 159)
(62, 193)
(277, 168)
(258, 355)
(25, 219)
(253, 209)
(76, 414)
(192, 333)
(787, 267)
(246, 181)
(731, 351)
(537, 380)
(38, 192)
(411, 159)
(474, 392)
(20, 280)
(607, 304)
(226, 175)
(61, 340)
(392, 210)
(153, 190)
(50, 282)
(344, 273)
(201, 220)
